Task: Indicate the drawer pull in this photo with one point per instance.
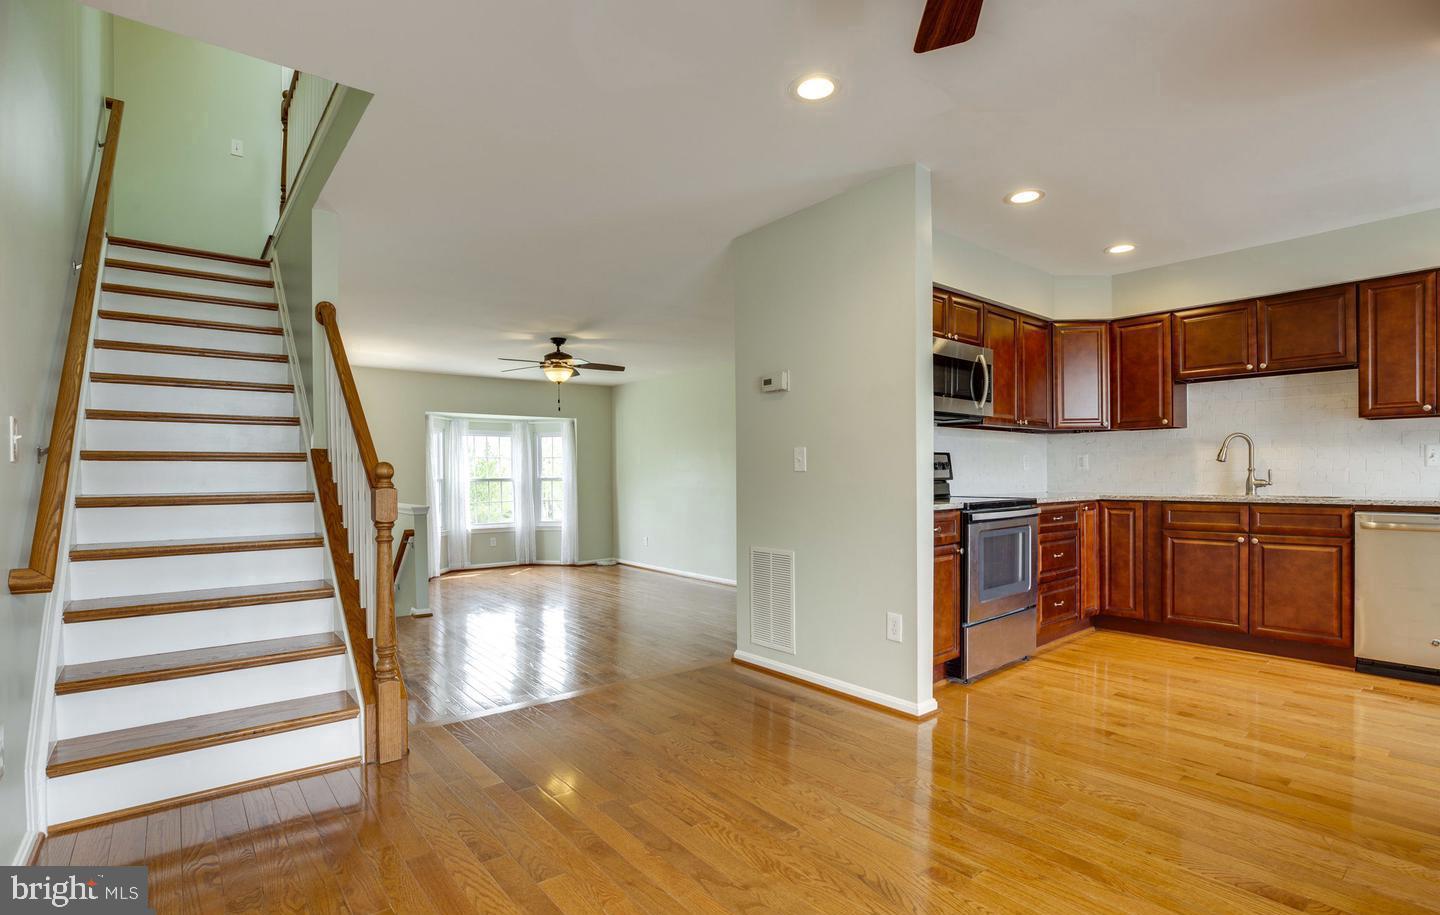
(1057, 517)
(1058, 603)
(1056, 555)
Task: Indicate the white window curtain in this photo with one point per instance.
(435, 477)
(523, 464)
(570, 524)
(450, 495)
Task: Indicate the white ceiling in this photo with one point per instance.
(578, 167)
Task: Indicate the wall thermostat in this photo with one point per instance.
(780, 381)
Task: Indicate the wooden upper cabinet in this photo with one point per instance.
(1034, 381)
(1217, 341)
(1122, 559)
(1002, 336)
(1206, 580)
(1303, 331)
(1300, 589)
(1143, 392)
(1397, 346)
(1081, 366)
(957, 317)
(939, 301)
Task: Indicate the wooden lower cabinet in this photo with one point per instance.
(948, 576)
(1122, 559)
(1207, 580)
(1090, 559)
(1301, 589)
(1058, 604)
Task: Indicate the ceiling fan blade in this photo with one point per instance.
(512, 359)
(521, 368)
(602, 366)
(947, 22)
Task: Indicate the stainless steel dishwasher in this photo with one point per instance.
(1397, 595)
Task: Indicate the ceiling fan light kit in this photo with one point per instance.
(560, 366)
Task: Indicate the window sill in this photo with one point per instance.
(503, 526)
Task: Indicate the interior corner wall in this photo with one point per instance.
(396, 403)
(185, 101)
(839, 295)
(54, 76)
(675, 472)
(967, 267)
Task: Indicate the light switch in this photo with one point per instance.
(237, 147)
(800, 459)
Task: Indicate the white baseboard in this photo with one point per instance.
(904, 706)
(681, 572)
(28, 843)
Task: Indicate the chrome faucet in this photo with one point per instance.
(1252, 482)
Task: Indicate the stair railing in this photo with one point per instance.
(302, 106)
(365, 492)
(39, 576)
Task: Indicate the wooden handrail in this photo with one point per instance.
(405, 539)
(325, 317)
(39, 575)
(287, 97)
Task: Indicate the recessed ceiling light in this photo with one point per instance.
(1027, 195)
(1123, 247)
(813, 88)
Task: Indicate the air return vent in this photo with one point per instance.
(772, 599)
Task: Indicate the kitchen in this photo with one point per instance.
(1102, 474)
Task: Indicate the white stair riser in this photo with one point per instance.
(211, 265)
(166, 399)
(135, 435)
(124, 362)
(139, 332)
(133, 636)
(191, 522)
(101, 710)
(120, 577)
(105, 478)
(164, 281)
(184, 308)
(98, 791)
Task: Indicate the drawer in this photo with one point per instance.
(1055, 517)
(947, 528)
(1059, 602)
(1302, 520)
(1059, 554)
(1220, 517)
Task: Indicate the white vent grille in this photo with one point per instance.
(772, 599)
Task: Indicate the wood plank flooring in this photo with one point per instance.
(505, 637)
(1115, 773)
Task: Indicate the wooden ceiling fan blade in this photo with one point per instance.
(947, 22)
(602, 366)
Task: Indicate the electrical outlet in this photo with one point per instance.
(644, 541)
(894, 627)
(1082, 462)
(1432, 456)
(801, 459)
(1025, 462)
(237, 148)
(493, 541)
(15, 437)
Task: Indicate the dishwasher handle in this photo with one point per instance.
(1420, 524)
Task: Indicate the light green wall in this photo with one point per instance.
(839, 295)
(184, 102)
(396, 403)
(54, 75)
(978, 271)
(675, 471)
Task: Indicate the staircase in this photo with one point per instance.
(201, 646)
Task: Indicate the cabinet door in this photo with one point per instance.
(1122, 559)
(1058, 603)
(939, 303)
(946, 645)
(1217, 341)
(1143, 392)
(1314, 329)
(1034, 386)
(1206, 580)
(1082, 375)
(965, 319)
(1397, 346)
(1002, 336)
(1090, 559)
(1300, 589)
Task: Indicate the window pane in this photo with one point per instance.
(552, 463)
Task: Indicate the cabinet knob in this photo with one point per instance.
(1262, 365)
(1239, 539)
(1254, 539)
(937, 530)
(1249, 366)
(1427, 408)
(1164, 422)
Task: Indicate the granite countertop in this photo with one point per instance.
(1050, 498)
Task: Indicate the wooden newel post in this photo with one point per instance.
(390, 691)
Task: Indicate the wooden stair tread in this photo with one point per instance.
(203, 456)
(187, 252)
(153, 292)
(114, 748)
(221, 419)
(110, 608)
(136, 317)
(195, 662)
(153, 500)
(149, 549)
(167, 349)
(143, 267)
(164, 381)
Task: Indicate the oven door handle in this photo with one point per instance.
(1005, 516)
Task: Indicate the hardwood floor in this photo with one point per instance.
(1115, 773)
(505, 637)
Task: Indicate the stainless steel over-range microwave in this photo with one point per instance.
(964, 383)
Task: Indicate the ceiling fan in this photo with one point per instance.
(560, 366)
(947, 22)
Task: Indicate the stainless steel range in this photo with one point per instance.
(1001, 547)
